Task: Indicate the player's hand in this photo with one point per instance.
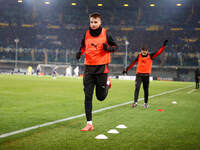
(165, 43)
(108, 48)
(78, 55)
(124, 72)
(105, 46)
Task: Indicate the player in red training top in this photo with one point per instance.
(144, 62)
(97, 44)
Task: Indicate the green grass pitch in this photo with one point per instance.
(26, 101)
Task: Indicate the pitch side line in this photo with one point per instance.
(81, 115)
(191, 91)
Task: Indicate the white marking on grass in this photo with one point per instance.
(174, 102)
(113, 131)
(121, 126)
(191, 91)
(101, 137)
(81, 115)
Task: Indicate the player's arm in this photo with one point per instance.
(82, 49)
(112, 46)
(156, 54)
(130, 66)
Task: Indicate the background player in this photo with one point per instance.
(144, 67)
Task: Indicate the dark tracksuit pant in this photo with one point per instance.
(91, 81)
(141, 78)
(197, 82)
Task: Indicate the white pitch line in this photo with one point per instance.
(81, 115)
(191, 91)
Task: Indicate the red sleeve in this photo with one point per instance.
(82, 51)
(82, 48)
(132, 64)
(158, 52)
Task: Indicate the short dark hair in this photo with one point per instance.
(144, 49)
(95, 15)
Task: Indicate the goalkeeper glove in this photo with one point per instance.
(165, 42)
(108, 48)
(78, 55)
(124, 72)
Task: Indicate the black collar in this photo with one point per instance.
(96, 32)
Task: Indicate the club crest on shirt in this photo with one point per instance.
(94, 45)
(143, 62)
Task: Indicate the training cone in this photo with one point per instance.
(160, 110)
(121, 126)
(174, 102)
(101, 136)
(113, 131)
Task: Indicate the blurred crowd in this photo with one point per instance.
(55, 36)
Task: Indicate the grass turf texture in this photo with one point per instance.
(26, 101)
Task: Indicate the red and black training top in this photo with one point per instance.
(96, 58)
(144, 65)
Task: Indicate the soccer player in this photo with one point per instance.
(76, 71)
(54, 73)
(144, 62)
(30, 69)
(97, 44)
(38, 70)
(69, 71)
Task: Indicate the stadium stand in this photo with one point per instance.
(49, 37)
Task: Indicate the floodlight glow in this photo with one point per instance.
(19, 1)
(73, 4)
(152, 5)
(125, 5)
(99, 5)
(179, 4)
(47, 2)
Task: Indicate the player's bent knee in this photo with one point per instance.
(100, 98)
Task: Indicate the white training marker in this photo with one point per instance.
(101, 136)
(121, 126)
(174, 102)
(113, 131)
